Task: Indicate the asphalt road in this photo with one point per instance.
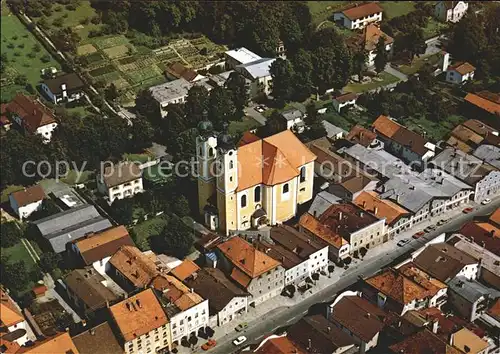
(258, 329)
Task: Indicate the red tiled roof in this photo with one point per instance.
(32, 113)
(462, 68)
(29, 195)
(483, 103)
(360, 11)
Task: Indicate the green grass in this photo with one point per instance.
(15, 35)
(138, 157)
(417, 63)
(9, 189)
(435, 131)
(433, 28)
(18, 253)
(147, 229)
(386, 80)
(72, 177)
(397, 8)
(239, 127)
(348, 120)
(323, 10)
(74, 18)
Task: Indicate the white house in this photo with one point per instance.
(345, 99)
(460, 73)
(294, 118)
(120, 181)
(358, 16)
(27, 201)
(32, 116)
(64, 88)
(13, 324)
(259, 75)
(239, 56)
(450, 11)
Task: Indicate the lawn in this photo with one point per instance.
(138, 157)
(347, 120)
(433, 28)
(418, 62)
(18, 253)
(397, 8)
(239, 127)
(76, 19)
(24, 55)
(72, 177)
(323, 10)
(147, 229)
(360, 87)
(435, 131)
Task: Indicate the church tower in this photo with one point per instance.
(227, 182)
(206, 154)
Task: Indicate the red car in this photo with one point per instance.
(418, 234)
(467, 210)
(209, 345)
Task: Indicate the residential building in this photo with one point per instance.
(175, 92)
(32, 116)
(359, 318)
(26, 201)
(314, 255)
(120, 181)
(485, 234)
(470, 298)
(404, 143)
(450, 11)
(260, 182)
(460, 73)
(254, 271)
(60, 343)
(64, 88)
(486, 105)
(489, 154)
(359, 16)
(187, 269)
(226, 301)
(132, 269)
(367, 42)
(87, 290)
(91, 340)
(239, 56)
(316, 334)
(423, 342)
(360, 135)
(96, 249)
(294, 119)
(141, 323)
(186, 311)
(322, 201)
(70, 225)
(259, 75)
(468, 342)
(404, 289)
(278, 345)
(344, 100)
(470, 170)
(332, 131)
(177, 70)
(12, 323)
(445, 262)
(338, 247)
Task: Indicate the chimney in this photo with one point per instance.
(340, 215)
(435, 326)
(361, 214)
(361, 135)
(191, 290)
(92, 332)
(138, 302)
(376, 211)
(84, 323)
(328, 329)
(368, 315)
(128, 306)
(309, 344)
(364, 204)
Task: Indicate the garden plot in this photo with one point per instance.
(85, 49)
(143, 74)
(93, 60)
(118, 51)
(136, 63)
(112, 41)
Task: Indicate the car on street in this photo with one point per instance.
(209, 345)
(416, 235)
(240, 340)
(261, 108)
(486, 201)
(467, 210)
(241, 327)
(430, 228)
(442, 222)
(403, 242)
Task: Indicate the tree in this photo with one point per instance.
(468, 39)
(142, 134)
(332, 67)
(282, 73)
(359, 59)
(238, 89)
(302, 80)
(196, 104)
(380, 55)
(66, 39)
(181, 207)
(363, 251)
(21, 80)
(437, 108)
(3, 62)
(221, 109)
(416, 42)
(274, 124)
(122, 211)
(111, 92)
(314, 125)
(173, 125)
(10, 234)
(184, 147)
(148, 107)
(50, 261)
(14, 275)
(177, 238)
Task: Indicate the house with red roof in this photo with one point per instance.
(358, 16)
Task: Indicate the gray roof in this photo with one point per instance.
(333, 130)
(175, 89)
(70, 225)
(471, 290)
(489, 154)
(258, 68)
(292, 114)
(322, 202)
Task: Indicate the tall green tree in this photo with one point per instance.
(66, 39)
(177, 238)
(238, 89)
(142, 134)
(468, 39)
(302, 78)
(148, 107)
(50, 261)
(196, 104)
(359, 59)
(282, 81)
(314, 128)
(380, 55)
(274, 124)
(10, 234)
(221, 109)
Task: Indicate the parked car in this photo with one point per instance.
(241, 327)
(442, 222)
(467, 210)
(430, 228)
(261, 108)
(486, 201)
(418, 235)
(403, 242)
(209, 345)
(240, 340)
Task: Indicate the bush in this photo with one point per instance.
(21, 45)
(58, 8)
(45, 58)
(65, 15)
(94, 33)
(58, 22)
(17, 54)
(31, 55)
(15, 37)
(11, 46)
(85, 21)
(37, 48)
(96, 20)
(71, 7)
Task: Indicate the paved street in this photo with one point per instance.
(250, 111)
(267, 321)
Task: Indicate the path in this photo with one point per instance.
(390, 70)
(250, 111)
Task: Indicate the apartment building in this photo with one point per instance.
(359, 16)
(142, 325)
(120, 181)
(450, 11)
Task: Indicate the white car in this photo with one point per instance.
(403, 242)
(240, 340)
(486, 201)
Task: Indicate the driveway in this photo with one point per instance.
(390, 70)
(250, 111)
